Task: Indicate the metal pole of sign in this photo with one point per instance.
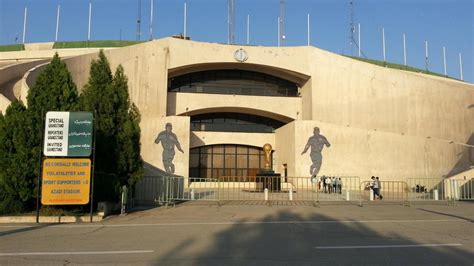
(93, 164)
(40, 166)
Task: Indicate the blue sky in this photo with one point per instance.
(448, 23)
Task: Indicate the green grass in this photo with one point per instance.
(398, 66)
(12, 47)
(94, 44)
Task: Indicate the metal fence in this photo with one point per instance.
(466, 187)
(152, 190)
(440, 189)
(422, 189)
(165, 190)
(460, 189)
(388, 190)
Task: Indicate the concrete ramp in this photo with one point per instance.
(468, 174)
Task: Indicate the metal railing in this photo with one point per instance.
(165, 190)
(389, 191)
(459, 189)
(466, 187)
(423, 189)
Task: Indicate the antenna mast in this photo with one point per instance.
(352, 29)
(281, 23)
(351, 26)
(231, 21)
(139, 19)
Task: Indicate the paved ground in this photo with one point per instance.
(241, 234)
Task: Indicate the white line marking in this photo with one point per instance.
(238, 222)
(390, 246)
(77, 253)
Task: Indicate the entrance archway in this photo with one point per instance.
(229, 160)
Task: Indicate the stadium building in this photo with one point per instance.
(207, 109)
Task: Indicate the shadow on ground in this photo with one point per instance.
(302, 242)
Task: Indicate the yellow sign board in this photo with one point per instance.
(66, 181)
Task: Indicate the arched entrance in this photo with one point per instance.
(230, 160)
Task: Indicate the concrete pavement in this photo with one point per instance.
(207, 234)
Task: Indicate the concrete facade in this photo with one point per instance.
(379, 121)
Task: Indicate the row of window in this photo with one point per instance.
(234, 122)
(233, 81)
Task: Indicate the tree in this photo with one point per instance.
(20, 134)
(17, 176)
(118, 159)
(54, 90)
(129, 163)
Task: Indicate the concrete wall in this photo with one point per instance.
(285, 152)
(363, 153)
(144, 65)
(347, 92)
(380, 121)
(4, 103)
(46, 54)
(284, 109)
(152, 153)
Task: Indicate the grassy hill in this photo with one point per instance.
(93, 44)
(398, 66)
(12, 47)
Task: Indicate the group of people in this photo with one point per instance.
(328, 184)
(376, 187)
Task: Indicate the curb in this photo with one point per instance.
(50, 219)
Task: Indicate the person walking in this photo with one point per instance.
(379, 187)
(340, 185)
(323, 180)
(329, 184)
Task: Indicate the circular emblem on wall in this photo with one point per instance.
(241, 55)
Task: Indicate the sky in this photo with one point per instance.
(443, 23)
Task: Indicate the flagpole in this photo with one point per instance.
(24, 24)
(404, 50)
(184, 35)
(358, 44)
(383, 43)
(57, 23)
(248, 29)
(444, 61)
(278, 23)
(151, 20)
(89, 27)
(426, 55)
(308, 31)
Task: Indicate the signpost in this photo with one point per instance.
(66, 181)
(68, 134)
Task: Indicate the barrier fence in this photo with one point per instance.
(466, 189)
(165, 190)
(388, 191)
(421, 189)
(440, 189)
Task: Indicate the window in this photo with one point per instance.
(234, 122)
(233, 81)
(230, 161)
